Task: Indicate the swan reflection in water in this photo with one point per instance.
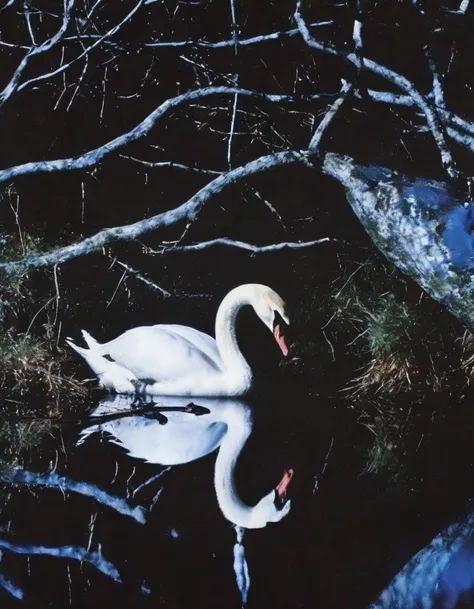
(441, 575)
(172, 431)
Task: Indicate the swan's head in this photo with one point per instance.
(274, 506)
(272, 310)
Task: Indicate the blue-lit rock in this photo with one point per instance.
(437, 576)
(418, 224)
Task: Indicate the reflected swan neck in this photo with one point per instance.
(233, 508)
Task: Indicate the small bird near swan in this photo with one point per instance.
(169, 359)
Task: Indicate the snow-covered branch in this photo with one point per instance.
(187, 212)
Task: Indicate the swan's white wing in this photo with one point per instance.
(200, 340)
(158, 354)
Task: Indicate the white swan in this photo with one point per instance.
(185, 437)
(179, 360)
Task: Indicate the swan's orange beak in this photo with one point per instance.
(280, 339)
(282, 487)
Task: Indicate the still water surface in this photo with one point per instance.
(264, 503)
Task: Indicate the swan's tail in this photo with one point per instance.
(90, 340)
(82, 352)
(110, 374)
(96, 362)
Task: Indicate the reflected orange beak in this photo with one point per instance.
(282, 487)
(280, 339)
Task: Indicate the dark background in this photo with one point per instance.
(358, 535)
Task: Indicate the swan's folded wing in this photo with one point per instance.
(158, 354)
(200, 340)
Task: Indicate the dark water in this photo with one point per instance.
(131, 507)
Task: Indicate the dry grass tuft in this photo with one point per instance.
(20, 437)
(30, 366)
(31, 362)
(390, 328)
(403, 348)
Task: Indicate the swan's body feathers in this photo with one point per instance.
(179, 360)
(161, 353)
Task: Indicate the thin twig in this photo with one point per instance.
(116, 289)
(249, 247)
(237, 42)
(171, 164)
(328, 117)
(232, 127)
(37, 313)
(325, 464)
(234, 26)
(140, 277)
(56, 285)
(267, 204)
(79, 82)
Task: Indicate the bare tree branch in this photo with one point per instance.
(328, 117)
(86, 51)
(386, 73)
(458, 129)
(93, 157)
(28, 22)
(13, 85)
(249, 247)
(146, 281)
(171, 164)
(186, 212)
(237, 42)
(231, 132)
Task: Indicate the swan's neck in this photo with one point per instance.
(233, 508)
(234, 362)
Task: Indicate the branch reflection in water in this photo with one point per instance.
(19, 476)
